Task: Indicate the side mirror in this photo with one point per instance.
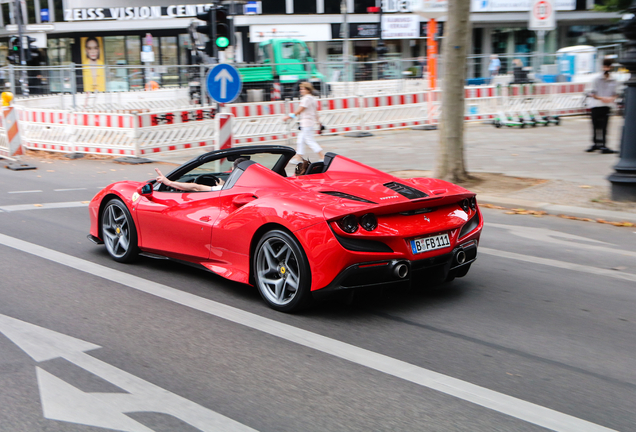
(146, 189)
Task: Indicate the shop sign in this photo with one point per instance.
(357, 31)
(516, 5)
(307, 32)
(135, 13)
(400, 26)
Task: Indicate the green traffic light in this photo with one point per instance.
(15, 48)
(222, 42)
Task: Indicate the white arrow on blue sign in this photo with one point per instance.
(223, 83)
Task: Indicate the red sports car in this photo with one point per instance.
(340, 225)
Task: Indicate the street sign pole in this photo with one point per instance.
(24, 81)
(542, 18)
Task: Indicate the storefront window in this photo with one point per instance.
(169, 56)
(115, 50)
(4, 50)
(133, 57)
(592, 35)
(60, 51)
(304, 7)
(332, 6)
(274, 7)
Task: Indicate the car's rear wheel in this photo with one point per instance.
(281, 272)
(119, 232)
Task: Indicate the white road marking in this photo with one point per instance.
(559, 264)
(544, 235)
(490, 399)
(22, 207)
(70, 189)
(63, 402)
(19, 192)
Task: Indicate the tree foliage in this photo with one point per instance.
(613, 5)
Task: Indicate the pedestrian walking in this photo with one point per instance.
(602, 96)
(308, 118)
(494, 66)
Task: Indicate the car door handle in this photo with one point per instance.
(241, 200)
(205, 218)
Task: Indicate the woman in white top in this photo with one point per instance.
(308, 118)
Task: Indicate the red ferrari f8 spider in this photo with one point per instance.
(340, 225)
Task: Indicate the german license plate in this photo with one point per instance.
(429, 243)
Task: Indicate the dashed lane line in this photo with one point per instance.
(559, 264)
(27, 191)
(69, 189)
(511, 406)
(23, 207)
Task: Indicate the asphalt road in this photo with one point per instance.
(540, 335)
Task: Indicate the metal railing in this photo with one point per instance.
(90, 87)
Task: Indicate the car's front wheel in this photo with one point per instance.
(119, 232)
(281, 272)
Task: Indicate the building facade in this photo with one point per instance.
(155, 32)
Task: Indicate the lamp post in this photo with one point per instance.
(624, 178)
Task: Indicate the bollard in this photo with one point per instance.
(12, 132)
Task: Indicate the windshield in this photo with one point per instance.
(293, 51)
(223, 167)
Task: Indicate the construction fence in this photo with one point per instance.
(140, 133)
(265, 82)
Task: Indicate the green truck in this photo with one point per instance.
(284, 61)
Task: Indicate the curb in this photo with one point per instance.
(556, 209)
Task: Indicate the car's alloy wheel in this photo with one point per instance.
(119, 232)
(281, 271)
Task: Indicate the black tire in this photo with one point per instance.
(281, 272)
(497, 124)
(119, 232)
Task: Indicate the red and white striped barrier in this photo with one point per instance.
(275, 94)
(10, 125)
(224, 139)
(171, 130)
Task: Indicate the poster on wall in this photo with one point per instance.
(93, 63)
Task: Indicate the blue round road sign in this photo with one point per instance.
(223, 83)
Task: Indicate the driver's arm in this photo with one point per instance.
(187, 187)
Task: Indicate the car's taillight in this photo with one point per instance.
(369, 222)
(348, 224)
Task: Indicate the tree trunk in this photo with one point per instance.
(450, 158)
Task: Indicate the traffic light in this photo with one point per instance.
(222, 39)
(207, 29)
(13, 56)
(32, 52)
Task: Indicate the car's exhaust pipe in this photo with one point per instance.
(460, 256)
(401, 270)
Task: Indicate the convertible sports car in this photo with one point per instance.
(340, 225)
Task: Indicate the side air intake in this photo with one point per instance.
(347, 196)
(406, 191)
